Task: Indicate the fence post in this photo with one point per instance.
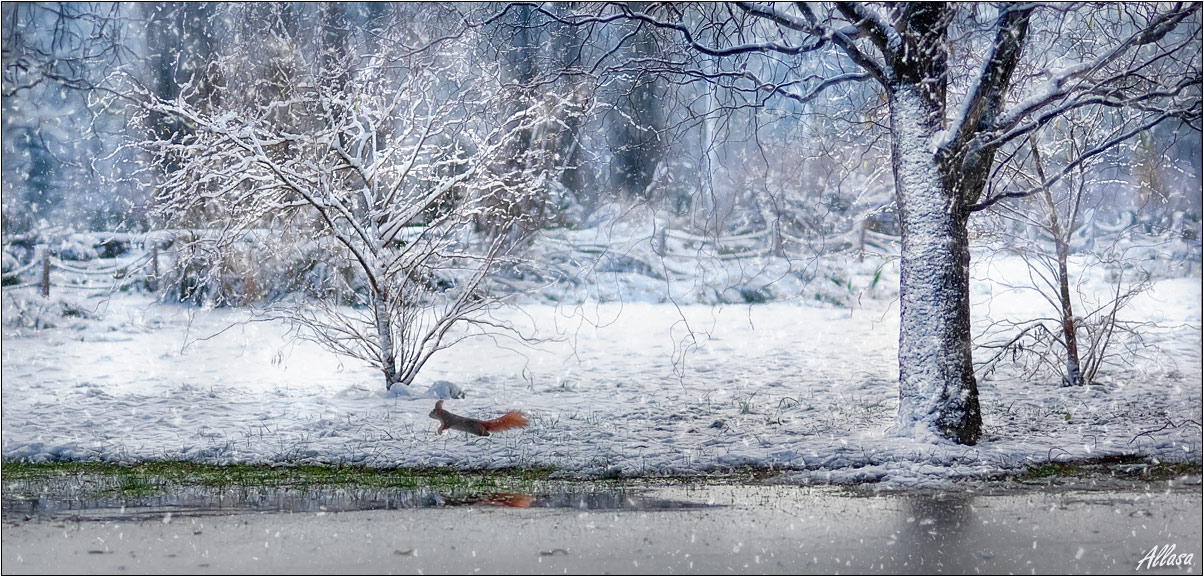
(46, 272)
(152, 283)
(775, 241)
(861, 240)
(660, 239)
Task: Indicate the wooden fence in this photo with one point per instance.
(118, 273)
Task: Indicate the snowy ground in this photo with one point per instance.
(796, 384)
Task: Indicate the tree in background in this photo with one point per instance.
(638, 121)
(548, 157)
(181, 40)
(61, 166)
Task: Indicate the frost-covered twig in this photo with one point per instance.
(1169, 425)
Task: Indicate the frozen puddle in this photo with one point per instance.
(743, 529)
(199, 502)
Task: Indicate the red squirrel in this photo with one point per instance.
(483, 428)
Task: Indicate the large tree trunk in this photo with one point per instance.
(937, 390)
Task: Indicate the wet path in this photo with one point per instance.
(716, 529)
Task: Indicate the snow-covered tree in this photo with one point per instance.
(390, 152)
(962, 83)
(60, 168)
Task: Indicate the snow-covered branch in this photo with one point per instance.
(401, 164)
(1070, 87)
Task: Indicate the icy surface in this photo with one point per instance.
(770, 529)
(629, 387)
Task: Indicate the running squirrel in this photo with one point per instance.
(482, 428)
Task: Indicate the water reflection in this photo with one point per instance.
(933, 533)
(516, 500)
(192, 501)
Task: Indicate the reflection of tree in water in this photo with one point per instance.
(933, 536)
(200, 501)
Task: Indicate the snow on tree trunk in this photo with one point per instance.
(937, 390)
(1074, 373)
(384, 334)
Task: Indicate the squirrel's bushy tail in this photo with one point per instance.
(508, 421)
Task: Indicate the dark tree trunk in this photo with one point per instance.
(46, 271)
(938, 394)
(384, 335)
(1074, 371)
(937, 389)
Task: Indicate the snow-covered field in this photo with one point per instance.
(630, 387)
